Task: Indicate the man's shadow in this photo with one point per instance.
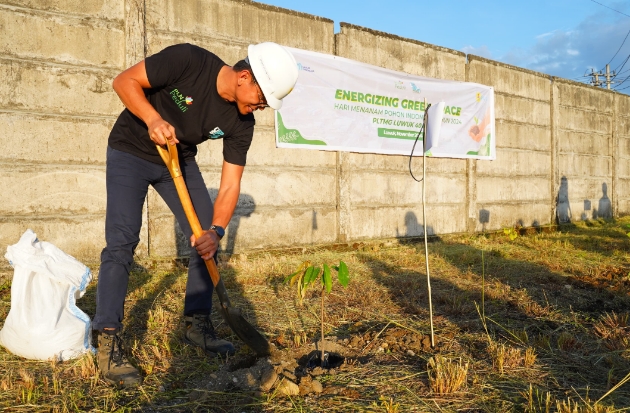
(414, 230)
(245, 207)
(604, 207)
(563, 206)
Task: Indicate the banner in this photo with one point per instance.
(340, 104)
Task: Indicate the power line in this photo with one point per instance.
(610, 8)
(622, 43)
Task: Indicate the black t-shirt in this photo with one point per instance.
(184, 92)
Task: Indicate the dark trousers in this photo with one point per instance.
(128, 179)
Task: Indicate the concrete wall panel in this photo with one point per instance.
(509, 79)
(502, 215)
(102, 9)
(587, 98)
(35, 138)
(376, 190)
(73, 39)
(499, 189)
(517, 109)
(577, 119)
(63, 90)
(48, 191)
(511, 163)
(242, 22)
(584, 142)
(396, 53)
(575, 165)
(81, 237)
(522, 135)
(401, 221)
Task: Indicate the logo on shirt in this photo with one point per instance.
(180, 100)
(215, 133)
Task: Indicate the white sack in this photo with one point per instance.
(44, 321)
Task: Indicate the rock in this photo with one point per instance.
(289, 375)
(410, 353)
(196, 395)
(268, 379)
(288, 388)
(317, 371)
(305, 386)
(426, 343)
(356, 341)
(317, 386)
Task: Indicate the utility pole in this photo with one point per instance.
(598, 83)
(595, 81)
(608, 81)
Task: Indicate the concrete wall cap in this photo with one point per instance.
(289, 12)
(586, 85)
(472, 57)
(395, 37)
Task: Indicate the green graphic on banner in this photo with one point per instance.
(293, 135)
(484, 150)
(397, 134)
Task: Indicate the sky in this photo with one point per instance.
(566, 38)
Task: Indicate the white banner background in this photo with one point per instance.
(340, 104)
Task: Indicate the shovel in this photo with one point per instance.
(232, 316)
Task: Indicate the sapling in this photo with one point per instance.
(307, 274)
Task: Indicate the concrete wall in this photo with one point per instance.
(57, 61)
(516, 188)
(562, 147)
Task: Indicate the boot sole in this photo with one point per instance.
(208, 352)
(124, 382)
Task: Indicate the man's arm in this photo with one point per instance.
(224, 206)
(129, 86)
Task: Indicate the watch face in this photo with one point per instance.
(219, 230)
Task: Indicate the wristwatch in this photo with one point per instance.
(219, 230)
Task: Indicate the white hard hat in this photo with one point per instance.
(275, 70)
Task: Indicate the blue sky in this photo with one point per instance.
(564, 38)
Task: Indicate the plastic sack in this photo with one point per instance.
(44, 321)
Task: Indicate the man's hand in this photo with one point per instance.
(161, 131)
(206, 244)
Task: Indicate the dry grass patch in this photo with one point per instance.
(614, 330)
(447, 376)
(551, 334)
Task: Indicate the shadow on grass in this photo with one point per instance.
(519, 297)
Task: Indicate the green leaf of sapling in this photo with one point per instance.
(327, 279)
(290, 278)
(342, 274)
(308, 276)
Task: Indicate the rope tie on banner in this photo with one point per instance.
(424, 214)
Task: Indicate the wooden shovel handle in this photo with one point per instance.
(171, 160)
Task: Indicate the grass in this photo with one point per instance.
(536, 322)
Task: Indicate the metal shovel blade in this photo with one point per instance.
(245, 331)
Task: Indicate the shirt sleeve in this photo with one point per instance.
(169, 65)
(236, 146)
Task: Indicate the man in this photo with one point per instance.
(182, 96)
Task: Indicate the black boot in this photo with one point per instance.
(113, 364)
(200, 333)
